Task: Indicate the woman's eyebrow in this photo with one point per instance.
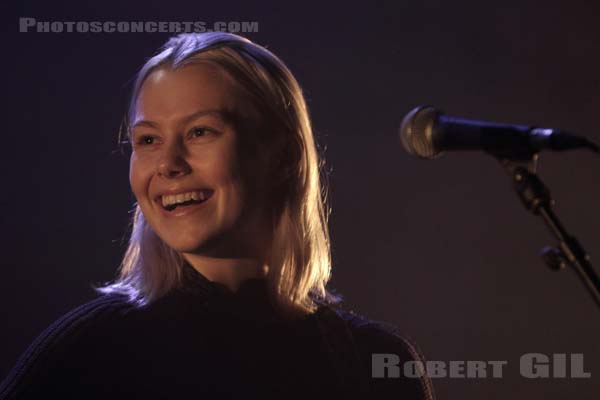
(185, 120)
(215, 112)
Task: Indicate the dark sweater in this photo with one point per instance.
(203, 341)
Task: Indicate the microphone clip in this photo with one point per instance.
(536, 198)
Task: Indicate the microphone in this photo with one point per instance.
(426, 132)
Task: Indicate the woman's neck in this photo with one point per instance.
(231, 272)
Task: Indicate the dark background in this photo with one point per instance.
(443, 249)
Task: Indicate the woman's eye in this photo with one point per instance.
(200, 132)
(145, 140)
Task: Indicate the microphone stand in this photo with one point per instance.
(535, 196)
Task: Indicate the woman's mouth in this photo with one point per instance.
(171, 202)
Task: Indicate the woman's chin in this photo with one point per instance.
(199, 246)
(187, 248)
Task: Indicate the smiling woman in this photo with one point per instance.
(222, 290)
(193, 183)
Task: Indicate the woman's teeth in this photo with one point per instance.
(173, 200)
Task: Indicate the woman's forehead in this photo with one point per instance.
(168, 93)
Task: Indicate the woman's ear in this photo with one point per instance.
(282, 163)
(270, 148)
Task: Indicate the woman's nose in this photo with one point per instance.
(172, 162)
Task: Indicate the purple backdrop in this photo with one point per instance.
(443, 249)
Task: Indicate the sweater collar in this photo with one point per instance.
(252, 296)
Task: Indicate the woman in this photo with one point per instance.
(222, 290)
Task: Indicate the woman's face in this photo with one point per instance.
(199, 192)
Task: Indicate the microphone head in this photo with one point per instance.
(417, 132)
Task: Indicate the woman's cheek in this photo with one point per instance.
(139, 176)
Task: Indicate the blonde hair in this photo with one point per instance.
(299, 257)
